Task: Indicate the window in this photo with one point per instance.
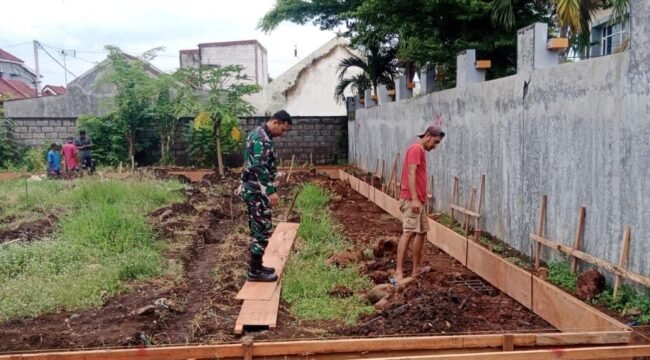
(612, 37)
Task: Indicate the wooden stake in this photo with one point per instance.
(311, 159)
(540, 232)
(393, 170)
(470, 205)
(132, 163)
(293, 202)
(625, 254)
(119, 168)
(454, 197)
(578, 240)
(433, 199)
(293, 158)
(377, 168)
(508, 342)
(477, 226)
(381, 174)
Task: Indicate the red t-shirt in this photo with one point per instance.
(414, 156)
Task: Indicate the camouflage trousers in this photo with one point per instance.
(259, 220)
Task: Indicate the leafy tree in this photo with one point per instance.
(109, 146)
(220, 95)
(166, 111)
(134, 97)
(423, 32)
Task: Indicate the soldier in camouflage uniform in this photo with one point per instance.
(259, 192)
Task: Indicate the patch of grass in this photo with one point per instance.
(308, 279)
(102, 241)
(629, 302)
(559, 273)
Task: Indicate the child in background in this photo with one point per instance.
(54, 161)
(70, 152)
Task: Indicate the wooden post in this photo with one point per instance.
(247, 344)
(431, 200)
(454, 197)
(470, 205)
(132, 163)
(625, 254)
(119, 168)
(477, 226)
(392, 174)
(293, 202)
(293, 158)
(377, 168)
(311, 159)
(508, 343)
(578, 240)
(540, 232)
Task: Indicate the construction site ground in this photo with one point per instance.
(209, 234)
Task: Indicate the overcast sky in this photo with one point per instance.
(139, 25)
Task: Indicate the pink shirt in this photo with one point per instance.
(415, 155)
(70, 155)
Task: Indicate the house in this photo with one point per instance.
(250, 54)
(607, 37)
(17, 81)
(53, 117)
(307, 88)
(52, 90)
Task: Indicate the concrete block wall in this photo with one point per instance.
(325, 138)
(38, 132)
(577, 132)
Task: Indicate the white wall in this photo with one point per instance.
(239, 54)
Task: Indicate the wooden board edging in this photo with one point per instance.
(336, 346)
(534, 295)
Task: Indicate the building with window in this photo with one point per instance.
(607, 37)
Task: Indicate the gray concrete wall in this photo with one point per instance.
(580, 136)
(38, 132)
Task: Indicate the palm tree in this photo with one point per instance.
(378, 66)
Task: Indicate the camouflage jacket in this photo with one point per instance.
(259, 161)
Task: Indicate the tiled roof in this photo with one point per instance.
(7, 56)
(16, 89)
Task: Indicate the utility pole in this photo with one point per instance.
(38, 73)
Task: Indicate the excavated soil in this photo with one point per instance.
(28, 231)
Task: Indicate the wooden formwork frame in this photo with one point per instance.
(576, 254)
(461, 345)
(552, 304)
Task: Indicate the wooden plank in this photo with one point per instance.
(470, 205)
(582, 338)
(259, 312)
(625, 254)
(454, 197)
(577, 245)
(275, 256)
(293, 158)
(643, 280)
(540, 231)
(483, 64)
(609, 352)
(343, 176)
(448, 241)
(335, 346)
(567, 313)
(465, 211)
(512, 280)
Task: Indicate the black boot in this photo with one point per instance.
(256, 271)
(268, 269)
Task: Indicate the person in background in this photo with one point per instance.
(70, 153)
(84, 144)
(54, 160)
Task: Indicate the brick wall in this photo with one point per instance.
(325, 138)
(37, 132)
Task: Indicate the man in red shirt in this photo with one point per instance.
(413, 193)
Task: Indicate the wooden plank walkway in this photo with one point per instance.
(261, 300)
(276, 255)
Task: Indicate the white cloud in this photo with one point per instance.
(139, 25)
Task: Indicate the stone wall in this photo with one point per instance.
(577, 132)
(38, 132)
(324, 138)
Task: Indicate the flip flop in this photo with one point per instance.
(393, 281)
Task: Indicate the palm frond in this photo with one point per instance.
(568, 12)
(351, 62)
(503, 13)
(620, 9)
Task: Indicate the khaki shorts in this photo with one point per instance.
(415, 223)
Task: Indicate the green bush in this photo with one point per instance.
(201, 145)
(559, 273)
(8, 148)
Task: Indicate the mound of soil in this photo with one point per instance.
(29, 231)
